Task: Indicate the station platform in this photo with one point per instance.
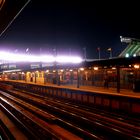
(107, 98)
(110, 90)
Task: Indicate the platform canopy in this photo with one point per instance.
(9, 9)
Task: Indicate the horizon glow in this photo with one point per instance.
(6, 56)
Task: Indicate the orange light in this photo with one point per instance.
(136, 66)
(82, 69)
(95, 68)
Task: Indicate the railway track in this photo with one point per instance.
(134, 120)
(125, 117)
(120, 117)
(31, 125)
(108, 127)
(52, 120)
(10, 130)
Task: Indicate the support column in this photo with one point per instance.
(58, 77)
(44, 77)
(35, 76)
(78, 82)
(118, 79)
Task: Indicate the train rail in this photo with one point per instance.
(9, 130)
(28, 122)
(37, 128)
(110, 127)
(134, 120)
(67, 125)
(117, 116)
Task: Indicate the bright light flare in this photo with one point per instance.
(46, 58)
(32, 58)
(17, 57)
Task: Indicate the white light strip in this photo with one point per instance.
(45, 58)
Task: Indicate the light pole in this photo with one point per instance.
(54, 54)
(56, 69)
(85, 53)
(99, 53)
(110, 52)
